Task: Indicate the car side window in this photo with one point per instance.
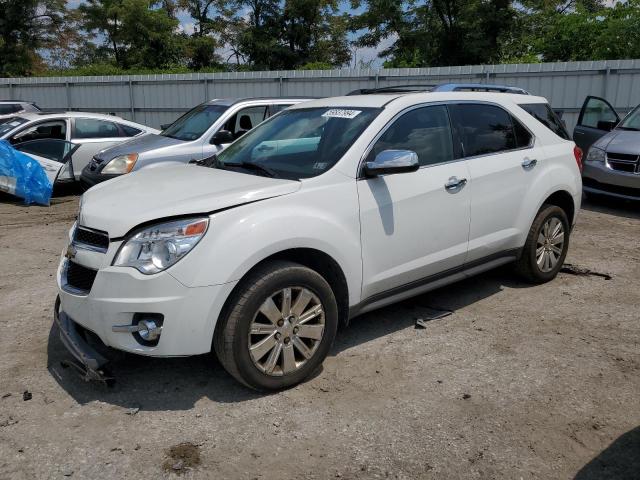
(524, 138)
(596, 110)
(245, 120)
(8, 108)
(128, 131)
(425, 131)
(543, 113)
(484, 129)
(93, 128)
(273, 109)
(52, 129)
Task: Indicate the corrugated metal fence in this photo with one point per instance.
(157, 99)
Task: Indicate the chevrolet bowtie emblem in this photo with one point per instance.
(71, 252)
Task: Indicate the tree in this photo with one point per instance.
(136, 34)
(25, 27)
(436, 32)
(288, 35)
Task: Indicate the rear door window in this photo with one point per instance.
(484, 129)
(543, 113)
(94, 128)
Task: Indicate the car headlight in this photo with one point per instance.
(595, 155)
(121, 164)
(159, 246)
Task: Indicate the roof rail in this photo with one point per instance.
(393, 89)
(445, 87)
(479, 87)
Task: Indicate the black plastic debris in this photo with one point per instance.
(583, 271)
(27, 395)
(429, 314)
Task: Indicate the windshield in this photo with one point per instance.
(8, 124)
(299, 143)
(195, 122)
(631, 121)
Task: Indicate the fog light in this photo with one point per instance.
(148, 330)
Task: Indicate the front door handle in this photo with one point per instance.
(529, 163)
(455, 184)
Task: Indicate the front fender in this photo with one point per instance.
(324, 218)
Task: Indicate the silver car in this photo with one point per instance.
(612, 160)
(90, 132)
(200, 133)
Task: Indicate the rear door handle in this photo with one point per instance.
(455, 184)
(529, 163)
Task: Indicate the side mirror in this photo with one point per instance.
(392, 161)
(222, 137)
(606, 125)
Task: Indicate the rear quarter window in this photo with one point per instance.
(543, 113)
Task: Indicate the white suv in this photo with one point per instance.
(329, 209)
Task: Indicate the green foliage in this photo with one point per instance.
(25, 27)
(111, 37)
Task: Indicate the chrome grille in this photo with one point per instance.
(91, 239)
(624, 162)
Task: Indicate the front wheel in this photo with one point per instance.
(546, 246)
(279, 326)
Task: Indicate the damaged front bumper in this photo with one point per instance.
(88, 362)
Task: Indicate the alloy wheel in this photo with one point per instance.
(286, 331)
(550, 244)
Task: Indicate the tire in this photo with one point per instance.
(528, 265)
(245, 356)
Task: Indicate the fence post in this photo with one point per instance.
(281, 87)
(605, 82)
(377, 79)
(131, 105)
(68, 92)
(206, 90)
(11, 91)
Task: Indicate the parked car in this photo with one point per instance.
(91, 132)
(612, 162)
(52, 154)
(9, 108)
(330, 209)
(201, 132)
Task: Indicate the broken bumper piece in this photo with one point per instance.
(88, 362)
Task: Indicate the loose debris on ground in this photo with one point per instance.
(182, 457)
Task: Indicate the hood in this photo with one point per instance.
(142, 144)
(120, 204)
(620, 141)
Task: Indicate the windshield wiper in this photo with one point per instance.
(249, 165)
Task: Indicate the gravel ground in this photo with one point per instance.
(520, 382)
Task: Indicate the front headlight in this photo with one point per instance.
(157, 247)
(595, 155)
(121, 164)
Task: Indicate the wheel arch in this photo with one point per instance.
(564, 200)
(312, 258)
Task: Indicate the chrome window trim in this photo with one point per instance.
(360, 176)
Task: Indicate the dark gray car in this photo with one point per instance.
(612, 147)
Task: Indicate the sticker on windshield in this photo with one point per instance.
(341, 113)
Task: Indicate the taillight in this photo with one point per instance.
(577, 152)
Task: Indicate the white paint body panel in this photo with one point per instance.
(383, 233)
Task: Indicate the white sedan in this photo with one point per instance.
(90, 132)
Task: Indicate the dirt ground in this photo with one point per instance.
(520, 382)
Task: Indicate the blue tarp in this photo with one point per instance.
(22, 176)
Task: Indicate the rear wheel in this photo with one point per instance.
(279, 326)
(546, 246)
